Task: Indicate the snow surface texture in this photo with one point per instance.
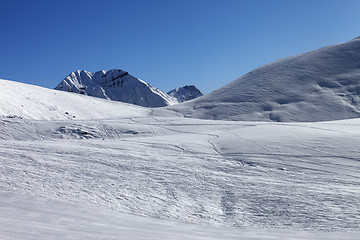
(316, 86)
(40, 218)
(238, 176)
(185, 93)
(115, 85)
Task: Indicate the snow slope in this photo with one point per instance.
(185, 93)
(76, 178)
(115, 85)
(228, 174)
(18, 100)
(321, 85)
(32, 218)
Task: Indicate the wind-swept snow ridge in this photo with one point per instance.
(185, 93)
(18, 100)
(316, 86)
(116, 85)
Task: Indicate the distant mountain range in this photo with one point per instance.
(119, 85)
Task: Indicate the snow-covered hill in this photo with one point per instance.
(314, 86)
(115, 85)
(185, 93)
(18, 100)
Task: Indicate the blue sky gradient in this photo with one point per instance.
(167, 43)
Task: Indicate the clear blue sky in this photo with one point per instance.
(167, 43)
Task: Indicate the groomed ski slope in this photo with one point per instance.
(178, 178)
(293, 177)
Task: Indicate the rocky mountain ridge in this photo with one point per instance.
(185, 93)
(117, 85)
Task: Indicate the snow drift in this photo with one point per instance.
(316, 86)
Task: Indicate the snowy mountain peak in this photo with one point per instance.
(185, 93)
(117, 85)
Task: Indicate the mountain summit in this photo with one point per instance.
(116, 85)
(321, 85)
(185, 93)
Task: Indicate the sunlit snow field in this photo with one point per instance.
(238, 176)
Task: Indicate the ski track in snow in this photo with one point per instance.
(40, 218)
(302, 176)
